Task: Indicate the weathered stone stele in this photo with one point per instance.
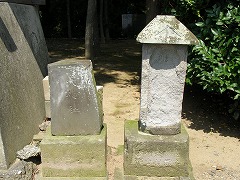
(23, 64)
(46, 89)
(75, 106)
(164, 63)
(160, 150)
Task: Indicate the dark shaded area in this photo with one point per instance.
(34, 159)
(117, 55)
(32, 2)
(209, 112)
(54, 17)
(33, 34)
(60, 49)
(6, 37)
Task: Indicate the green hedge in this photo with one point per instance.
(215, 62)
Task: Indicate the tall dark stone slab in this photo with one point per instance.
(23, 64)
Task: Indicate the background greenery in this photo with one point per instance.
(214, 64)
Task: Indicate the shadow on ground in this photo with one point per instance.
(117, 55)
(208, 112)
(60, 49)
(121, 55)
(205, 111)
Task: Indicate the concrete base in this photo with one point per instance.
(74, 156)
(165, 156)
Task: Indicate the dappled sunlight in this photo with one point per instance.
(117, 55)
(60, 49)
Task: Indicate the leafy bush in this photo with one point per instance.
(215, 62)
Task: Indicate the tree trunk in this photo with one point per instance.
(152, 10)
(101, 22)
(69, 20)
(106, 26)
(90, 29)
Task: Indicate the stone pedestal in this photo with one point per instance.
(155, 156)
(74, 156)
(159, 148)
(75, 146)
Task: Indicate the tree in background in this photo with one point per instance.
(69, 19)
(106, 20)
(91, 39)
(214, 64)
(152, 9)
(55, 18)
(101, 22)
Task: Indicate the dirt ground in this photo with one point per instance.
(214, 135)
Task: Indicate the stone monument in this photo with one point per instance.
(24, 59)
(160, 147)
(75, 146)
(74, 102)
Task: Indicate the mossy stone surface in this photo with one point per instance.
(155, 155)
(74, 156)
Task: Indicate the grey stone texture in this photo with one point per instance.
(164, 29)
(74, 156)
(164, 64)
(23, 65)
(75, 104)
(28, 151)
(162, 86)
(155, 155)
(20, 170)
(48, 108)
(46, 88)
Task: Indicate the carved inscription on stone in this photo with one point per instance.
(75, 103)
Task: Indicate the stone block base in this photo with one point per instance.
(74, 156)
(165, 156)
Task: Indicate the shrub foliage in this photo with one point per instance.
(215, 62)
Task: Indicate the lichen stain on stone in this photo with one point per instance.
(166, 30)
(156, 158)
